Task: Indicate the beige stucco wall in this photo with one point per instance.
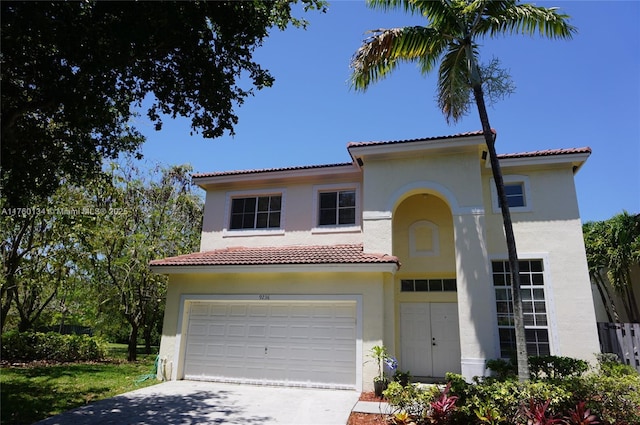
(372, 288)
(552, 231)
(454, 201)
(298, 227)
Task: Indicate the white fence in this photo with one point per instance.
(622, 339)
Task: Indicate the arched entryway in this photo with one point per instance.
(426, 287)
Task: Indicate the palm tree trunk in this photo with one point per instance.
(489, 137)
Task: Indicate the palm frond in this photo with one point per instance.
(387, 48)
(454, 87)
(407, 5)
(509, 17)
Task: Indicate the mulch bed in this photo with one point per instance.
(368, 418)
(371, 396)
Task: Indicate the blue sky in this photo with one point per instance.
(583, 92)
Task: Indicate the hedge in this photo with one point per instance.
(30, 346)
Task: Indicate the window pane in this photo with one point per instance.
(498, 266)
(348, 198)
(523, 266)
(236, 221)
(328, 200)
(276, 202)
(502, 294)
(435, 285)
(249, 205)
(248, 220)
(499, 280)
(327, 217)
(513, 189)
(449, 284)
(541, 320)
(263, 203)
(538, 294)
(262, 220)
(237, 206)
(515, 194)
(274, 220)
(507, 342)
(537, 279)
(406, 285)
(421, 285)
(536, 266)
(347, 216)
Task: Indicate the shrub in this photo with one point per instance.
(556, 367)
(502, 369)
(540, 367)
(412, 399)
(610, 365)
(29, 346)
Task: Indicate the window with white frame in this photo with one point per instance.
(515, 194)
(533, 305)
(255, 212)
(337, 208)
(518, 191)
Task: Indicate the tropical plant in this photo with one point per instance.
(443, 407)
(580, 416)
(379, 354)
(402, 377)
(535, 413)
(488, 414)
(451, 39)
(613, 249)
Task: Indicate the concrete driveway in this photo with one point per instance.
(194, 402)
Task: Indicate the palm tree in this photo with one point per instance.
(451, 39)
(623, 253)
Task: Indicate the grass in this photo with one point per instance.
(29, 393)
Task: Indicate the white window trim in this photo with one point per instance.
(435, 240)
(338, 228)
(228, 233)
(513, 178)
(552, 325)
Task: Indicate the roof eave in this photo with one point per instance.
(390, 267)
(274, 174)
(386, 149)
(577, 160)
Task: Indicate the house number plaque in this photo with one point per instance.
(263, 297)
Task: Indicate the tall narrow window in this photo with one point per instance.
(337, 208)
(533, 305)
(256, 212)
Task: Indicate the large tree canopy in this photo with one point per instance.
(73, 72)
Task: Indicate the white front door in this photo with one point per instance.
(430, 338)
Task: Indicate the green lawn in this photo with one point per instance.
(31, 393)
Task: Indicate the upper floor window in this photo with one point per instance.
(256, 212)
(337, 208)
(515, 194)
(518, 191)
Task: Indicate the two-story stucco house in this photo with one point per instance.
(303, 269)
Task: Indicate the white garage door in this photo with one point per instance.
(308, 343)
